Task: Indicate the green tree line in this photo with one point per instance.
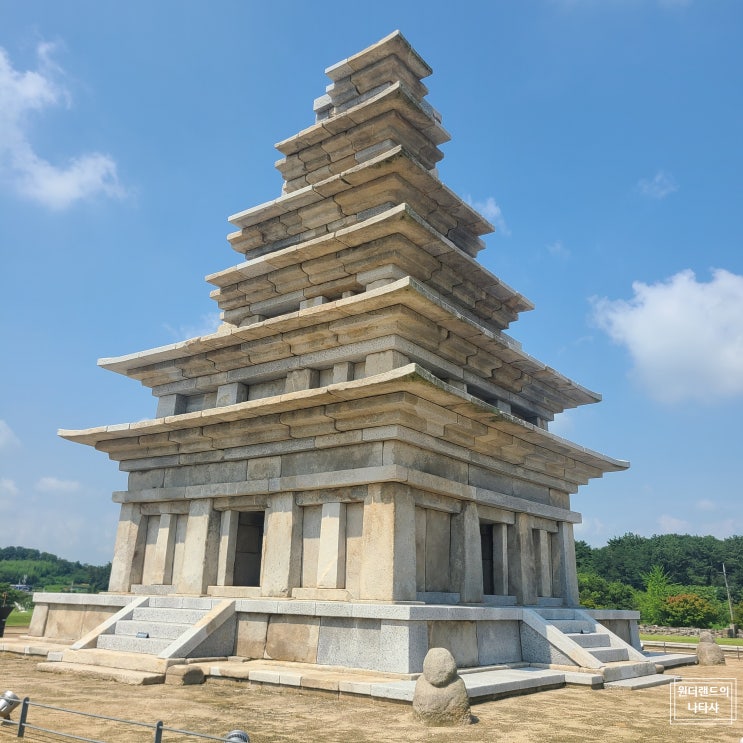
(672, 579)
(45, 571)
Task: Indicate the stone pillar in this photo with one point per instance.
(171, 405)
(331, 557)
(128, 560)
(384, 361)
(283, 546)
(162, 561)
(388, 544)
(521, 572)
(543, 556)
(231, 394)
(201, 548)
(466, 555)
(342, 372)
(227, 542)
(500, 559)
(564, 570)
(302, 379)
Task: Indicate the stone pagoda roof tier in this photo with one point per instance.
(434, 333)
(409, 396)
(360, 132)
(339, 201)
(343, 261)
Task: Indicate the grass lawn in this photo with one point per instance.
(18, 619)
(688, 639)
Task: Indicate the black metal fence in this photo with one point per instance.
(158, 728)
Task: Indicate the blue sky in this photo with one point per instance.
(602, 138)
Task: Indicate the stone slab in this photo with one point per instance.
(641, 682)
(508, 682)
(122, 675)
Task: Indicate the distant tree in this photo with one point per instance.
(690, 610)
(738, 613)
(11, 597)
(598, 593)
(584, 557)
(652, 602)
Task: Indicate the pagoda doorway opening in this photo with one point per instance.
(493, 546)
(248, 548)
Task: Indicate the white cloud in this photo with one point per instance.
(558, 250)
(8, 487)
(492, 212)
(206, 325)
(55, 485)
(591, 530)
(685, 337)
(706, 505)
(7, 437)
(563, 424)
(662, 184)
(23, 93)
(672, 525)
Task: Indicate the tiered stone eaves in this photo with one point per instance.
(360, 394)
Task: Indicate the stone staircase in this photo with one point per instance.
(153, 628)
(579, 638)
(140, 642)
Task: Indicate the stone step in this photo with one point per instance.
(181, 602)
(609, 655)
(167, 615)
(115, 659)
(622, 671)
(555, 613)
(589, 639)
(160, 630)
(572, 625)
(129, 644)
(122, 675)
(641, 682)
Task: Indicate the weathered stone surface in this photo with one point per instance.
(458, 638)
(708, 652)
(439, 667)
(440, 698)
(184, 675)
(293, 638)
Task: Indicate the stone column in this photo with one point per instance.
(162, 563)
(201, 548)
(521, 568)
(282, 546)
(564, 570)
(128, 560)
(331, 556)
(543, 555)
(500, 559)
(466, 555)
(227, 542)
(388, 544)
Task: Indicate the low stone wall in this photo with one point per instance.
(654, 629)
(381, 637)
(69, 616)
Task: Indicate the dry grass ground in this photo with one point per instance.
(568, 715)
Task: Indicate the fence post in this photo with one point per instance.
(159, 731)
(24, 715)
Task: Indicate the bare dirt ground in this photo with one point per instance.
(568, 715)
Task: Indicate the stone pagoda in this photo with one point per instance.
(357, 465)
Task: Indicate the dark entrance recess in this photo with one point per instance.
(486, 546)
(248, 549)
